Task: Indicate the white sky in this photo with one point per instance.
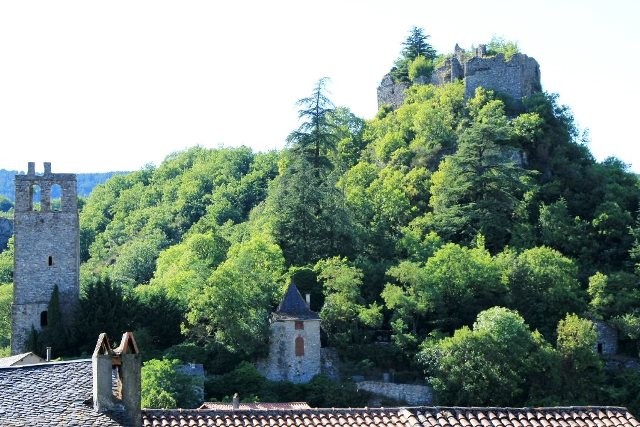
(99, 86)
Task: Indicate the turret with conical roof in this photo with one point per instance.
(293, 306)
(294, 348)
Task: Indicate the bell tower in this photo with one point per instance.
(47, 249)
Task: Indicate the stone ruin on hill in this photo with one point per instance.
(516, 78)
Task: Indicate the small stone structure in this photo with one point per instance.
(294, 348)
(517, 77)
(412, 394)
(607, 342)
(46, 244)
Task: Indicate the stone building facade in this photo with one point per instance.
(294, 347)
(47, 248)
(607, 341)
(517, 77)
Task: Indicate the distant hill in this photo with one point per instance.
(86, 182)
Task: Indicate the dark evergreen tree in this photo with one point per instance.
(103, 308)
(309, 216)
(317, 134)
(415, 45)
(54, 334)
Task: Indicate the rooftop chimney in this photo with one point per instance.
(308, 298)
(126, 360)
(236, 401)
(48, 359)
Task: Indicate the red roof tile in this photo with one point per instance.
(263, 415)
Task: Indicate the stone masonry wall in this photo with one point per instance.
(607, 342)
(412, 394)
(517, 78)
(390, 92)
(282, 364)
(46, 252)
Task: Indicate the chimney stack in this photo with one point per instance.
(126, 359)
(308, 298)
(236, 401)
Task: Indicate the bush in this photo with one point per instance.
(420, 67)
(499, 45)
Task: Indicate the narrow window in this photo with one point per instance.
(599, 348)
(44, 321)
(50, 260)
(55, 199)
(299, 346)
(299, 324)
(35, 197)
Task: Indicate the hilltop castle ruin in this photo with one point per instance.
(517, 77)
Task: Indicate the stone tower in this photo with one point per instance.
(294, 348)
(46, 243)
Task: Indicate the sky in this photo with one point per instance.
(111, 86)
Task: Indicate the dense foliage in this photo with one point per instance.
(457, 239)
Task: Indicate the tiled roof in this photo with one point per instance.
(396, 417)
(293, 306)
(51, 394)
(259, 406)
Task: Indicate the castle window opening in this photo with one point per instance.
(299, 346)
(55, 198)
(299, 324)
(50, 262)
(35, 197)
(44, 318)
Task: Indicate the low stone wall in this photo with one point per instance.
(412, 394)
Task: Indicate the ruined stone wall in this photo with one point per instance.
(46, 251)
(390, 92)
(517, 78)
(412, 394)
(282, 363)
(607, 342)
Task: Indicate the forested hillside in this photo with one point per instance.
(466, 241)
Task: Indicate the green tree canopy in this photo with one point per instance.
(488, 365)
(543, 287)
(234, 306)
(164, 386)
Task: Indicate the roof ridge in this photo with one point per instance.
(56, 363)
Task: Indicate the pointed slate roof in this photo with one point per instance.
(293, 307)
